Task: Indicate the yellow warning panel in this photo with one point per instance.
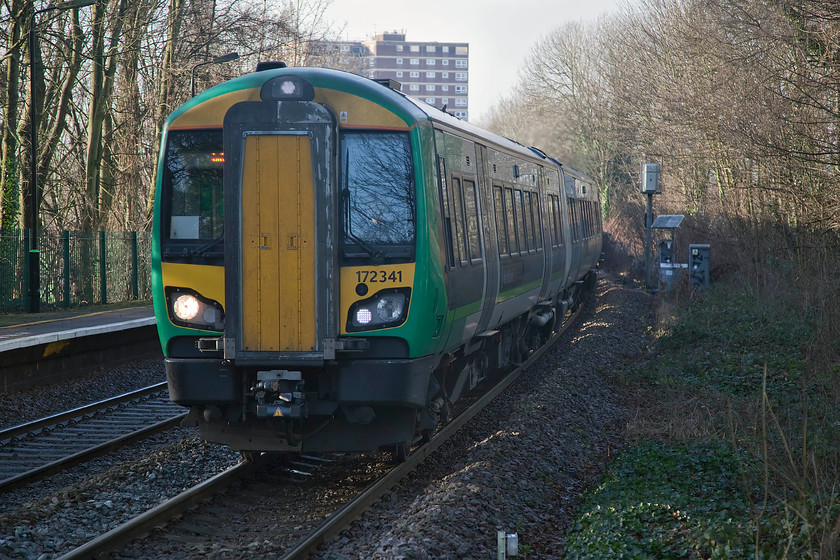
(278, 244)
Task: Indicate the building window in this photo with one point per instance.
(414, 48)
(399, 73)
(430, 48)
(430, 87)
(430, 62)
(461, 63)
(371, 61)
(460, 76)
(399, 48)
(445, 62)
(444, 74)
(461, 89)
(345, 48)
(461, 50)
(430, 100)
(399, 61)
(461, 114)
(414, 74)
(414, 87)
(414, 61)
(371, 74)
(460, 101)
(444, 88)
(444, 48)
(444, 101)
(430, 74)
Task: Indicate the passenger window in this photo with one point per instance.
(572, 219)
(555, 220)
(513, 238)
(501, 226)
(528, 211)
(444, 208)
(520, 222)
(536, 230)
(471, 213)
(459, 221)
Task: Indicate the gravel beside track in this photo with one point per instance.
(77, 390)
(525, 461)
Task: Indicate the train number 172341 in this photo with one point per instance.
(380, 276)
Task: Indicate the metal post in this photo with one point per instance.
(135, 285)
(65, 241)
(215, 60)
(103, 277)
(648, 235)
(34, 260)
(27, 268)
(34, 256)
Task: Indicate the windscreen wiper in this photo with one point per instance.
(204, 247)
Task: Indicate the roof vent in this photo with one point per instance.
(270, 65)
(389, 83)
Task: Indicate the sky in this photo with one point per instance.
(501, 33)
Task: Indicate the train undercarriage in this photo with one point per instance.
(363, 405)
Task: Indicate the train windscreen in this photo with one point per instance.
(193, 187)
(378, 198)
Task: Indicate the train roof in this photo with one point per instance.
(410, 110)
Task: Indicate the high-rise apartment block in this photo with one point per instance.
(436, 72)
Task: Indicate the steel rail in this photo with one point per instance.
(48, 421)
(141, 525)
(159, 515)
(16, 472)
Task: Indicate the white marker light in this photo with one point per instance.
(288, 87)
(364, 316)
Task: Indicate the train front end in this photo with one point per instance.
(293, 310)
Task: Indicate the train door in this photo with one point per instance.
(279, 251)
(490, 248)
(542, 213)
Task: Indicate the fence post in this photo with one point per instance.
(26, 268)
(135, 268)
(103, 281)
(65, 241)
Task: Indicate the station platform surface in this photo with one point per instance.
(22, 330)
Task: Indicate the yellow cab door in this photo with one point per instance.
(278, 249)
(280, 259)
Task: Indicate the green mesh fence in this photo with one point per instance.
(77, 268)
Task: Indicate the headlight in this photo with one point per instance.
(189, 309)
(390, 307)
(385, 309)
(186, 307)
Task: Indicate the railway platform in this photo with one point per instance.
(37, 348)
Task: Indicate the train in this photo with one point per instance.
(335, 264)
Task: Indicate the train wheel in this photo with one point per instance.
(400, 452)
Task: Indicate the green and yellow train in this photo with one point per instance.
(335, 263)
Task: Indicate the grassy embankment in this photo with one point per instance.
(734, 432)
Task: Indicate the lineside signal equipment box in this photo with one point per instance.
(650, 178)
(698, 265)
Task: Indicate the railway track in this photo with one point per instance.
(319, 530)
(37, 449)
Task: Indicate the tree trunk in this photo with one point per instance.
(102, 80)
(9, 170)
(163, 106)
